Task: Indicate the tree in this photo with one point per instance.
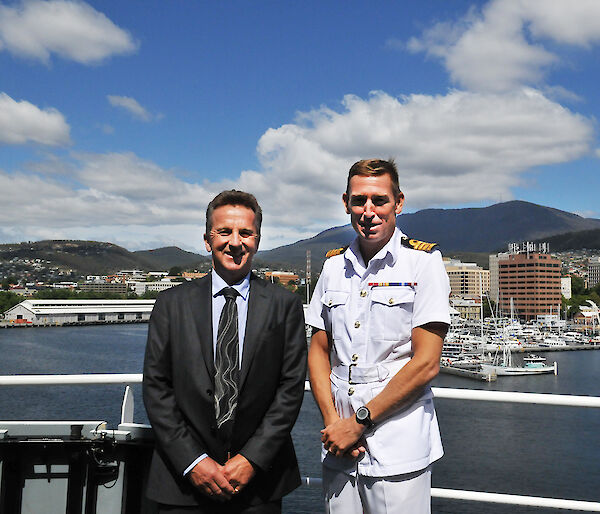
(564, 304)
(301, 289)
(8, 281)
(291, 286)
(577, 285)
(175, 271)
(8, 300)
(54, 294)
(487, 312)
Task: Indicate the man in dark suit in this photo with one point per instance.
(222, 432)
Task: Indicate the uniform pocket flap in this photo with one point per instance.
(333, 298)
(393, 295)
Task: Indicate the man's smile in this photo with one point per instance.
(233, 240)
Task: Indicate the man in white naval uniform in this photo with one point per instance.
(379, 315)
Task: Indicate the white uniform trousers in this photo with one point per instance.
(358, 494)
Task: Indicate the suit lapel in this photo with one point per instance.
(201, 305)
(258, 307)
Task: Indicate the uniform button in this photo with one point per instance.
(354, 357)
(363, 293)
(391, 301)
(356, 324)
(330, 303)
(351, 391)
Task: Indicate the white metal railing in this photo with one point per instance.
(86, 379)
(439, 392)
(564, 400)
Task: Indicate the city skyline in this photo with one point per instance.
(119, 121)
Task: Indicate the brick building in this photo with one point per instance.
(532, 280)
(284, 277)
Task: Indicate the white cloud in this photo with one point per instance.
(71, 29)
(574, 23)
(455, 149)
(22, 122)
(502, 47)
(132, 106)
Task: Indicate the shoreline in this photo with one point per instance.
(34, 324)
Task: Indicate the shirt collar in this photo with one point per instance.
(391, 249)
(242, 287)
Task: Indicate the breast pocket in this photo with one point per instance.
(334, 302)
(391, 313)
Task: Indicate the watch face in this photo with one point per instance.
(362, 413)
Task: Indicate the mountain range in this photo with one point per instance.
(484, 229)
(470, 233)
(100, 258)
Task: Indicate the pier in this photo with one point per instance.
(469, 373)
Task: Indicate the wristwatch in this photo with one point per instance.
(363, 416)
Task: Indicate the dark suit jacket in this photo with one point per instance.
(179, 383)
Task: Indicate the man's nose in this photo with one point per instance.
(368, 210)
(235, 239)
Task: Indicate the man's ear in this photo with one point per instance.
(399, 202)
(345, 200)
(207, 244)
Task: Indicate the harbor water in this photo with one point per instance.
(494, 447)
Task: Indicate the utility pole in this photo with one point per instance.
(307, 277)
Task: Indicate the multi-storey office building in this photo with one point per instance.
(468, 308)
(467, 279)
(594, 271)
(104, 287)
(565, 287)
(494, 287)
(532, 280)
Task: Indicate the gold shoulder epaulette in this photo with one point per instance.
(415, 244)
(337, 251)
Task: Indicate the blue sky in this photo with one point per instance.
(119, 121)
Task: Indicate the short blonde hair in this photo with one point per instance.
(375, 167)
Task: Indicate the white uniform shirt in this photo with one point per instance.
(370, 324)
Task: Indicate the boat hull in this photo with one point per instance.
(516, 370)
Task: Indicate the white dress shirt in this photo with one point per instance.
(218, 302)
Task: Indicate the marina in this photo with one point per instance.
(496, 347)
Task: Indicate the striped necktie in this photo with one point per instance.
(227, 365)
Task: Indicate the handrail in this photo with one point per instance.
(83, 379)
(439, 392)
(514, 499)
(564, 400)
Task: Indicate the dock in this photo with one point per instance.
(468, 373)
(568, 348)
